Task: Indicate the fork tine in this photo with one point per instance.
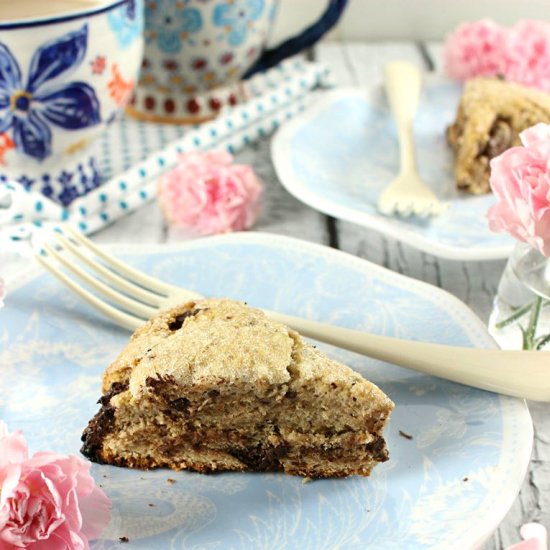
(404, 207)
(423, 209)
(120, 267)
(112, 277)
(119, 317)
(120, 299)
(385, 205)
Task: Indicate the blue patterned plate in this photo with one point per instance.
(447, 487)
(341, 152)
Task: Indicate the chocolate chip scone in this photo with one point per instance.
(215, 385)
(491, 115)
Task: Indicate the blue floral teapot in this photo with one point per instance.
(197, 51)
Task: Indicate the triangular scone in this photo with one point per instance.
(216, 385)
(491, 115)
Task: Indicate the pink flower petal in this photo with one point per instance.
(13, 447)
(475, 49)
(538, 132)
(49, 501)
(209, 194)
(482, 48)
(534, 538)
(528, 54)
(96, 513)
(520, 180)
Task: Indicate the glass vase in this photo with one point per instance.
(521, 317)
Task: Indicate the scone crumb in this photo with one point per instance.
(306, 480)
(171, 481)
(123, 539)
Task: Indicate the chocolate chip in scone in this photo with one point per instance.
(177, 323)
(501, 137)
(101, 424)
(378, 449)
(260, 457)
(159, 383)
(181, 405)
(115, 389)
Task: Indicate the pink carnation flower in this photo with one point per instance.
(482, 48)
(49, 501)
(208, 193)
(528, 54)
(520, 180)
(475, 49)
(534, 538)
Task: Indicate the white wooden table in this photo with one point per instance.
(359, 64)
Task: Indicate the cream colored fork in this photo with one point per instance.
(407, 194)
(135, 296)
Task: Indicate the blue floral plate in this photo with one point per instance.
(341, 152)
(447, 487)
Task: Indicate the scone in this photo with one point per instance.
(491, 115)
(215, 385)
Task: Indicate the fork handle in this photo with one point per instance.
(522, 374)
(403, 83)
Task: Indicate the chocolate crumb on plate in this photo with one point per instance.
(171, 481)
(123, 539)
(405, 435)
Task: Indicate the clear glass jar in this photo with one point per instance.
(521, 317)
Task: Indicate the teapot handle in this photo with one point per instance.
(304, 40)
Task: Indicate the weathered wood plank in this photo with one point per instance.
(281, 212)
(435, 50)
(360, 63)
(145, 225)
